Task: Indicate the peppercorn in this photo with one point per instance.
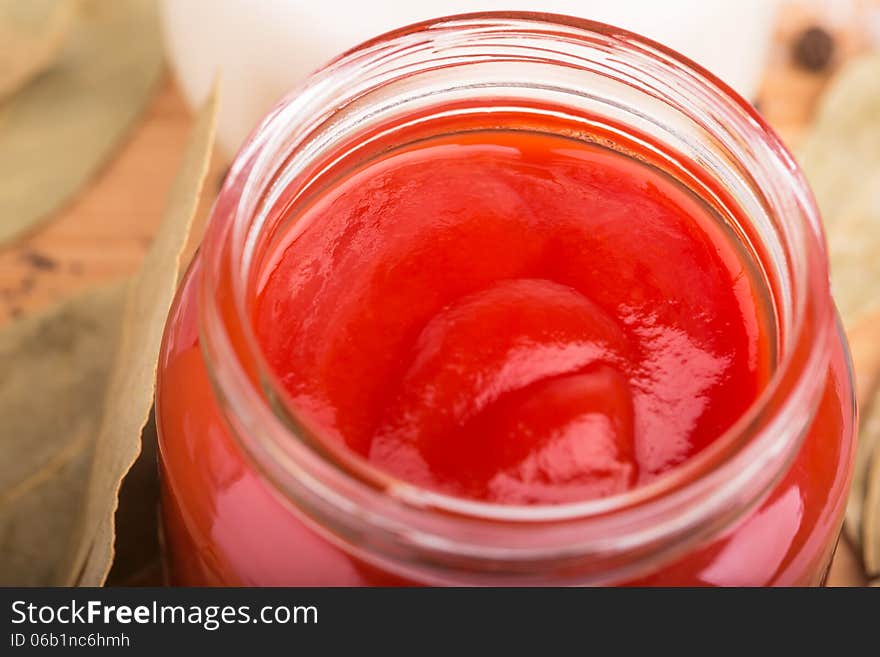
(813, 49)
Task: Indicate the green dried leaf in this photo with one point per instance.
(132, 381)
(863, 506)
(31, 36)
(76, 387)
(53, 373)
(57, 131)
(841, 158)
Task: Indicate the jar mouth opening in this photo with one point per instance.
(689, 497)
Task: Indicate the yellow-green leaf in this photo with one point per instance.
(132, 380)
(841, 158)
(32, 33)
(53, 374)
(58, 130)
(76, 387)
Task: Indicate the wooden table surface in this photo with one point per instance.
(103, 233)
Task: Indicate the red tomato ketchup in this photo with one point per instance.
(514, 317)
(503, 325)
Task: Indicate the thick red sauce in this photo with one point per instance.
(504, 316)
(514, 317)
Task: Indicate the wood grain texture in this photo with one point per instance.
(105, 232)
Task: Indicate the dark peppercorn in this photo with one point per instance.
(813, 49)
(39, 261)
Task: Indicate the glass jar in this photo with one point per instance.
(251, 498)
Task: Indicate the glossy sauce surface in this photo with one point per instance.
(513, 317)
(501, 316)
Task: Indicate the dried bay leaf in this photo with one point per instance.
(31, 36)
(53, 374)
(58, 130)
(73, 384)
(132, 380)
(863, 507)
(865, 349)
(841, 158)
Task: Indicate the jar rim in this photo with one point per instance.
(687, 498)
